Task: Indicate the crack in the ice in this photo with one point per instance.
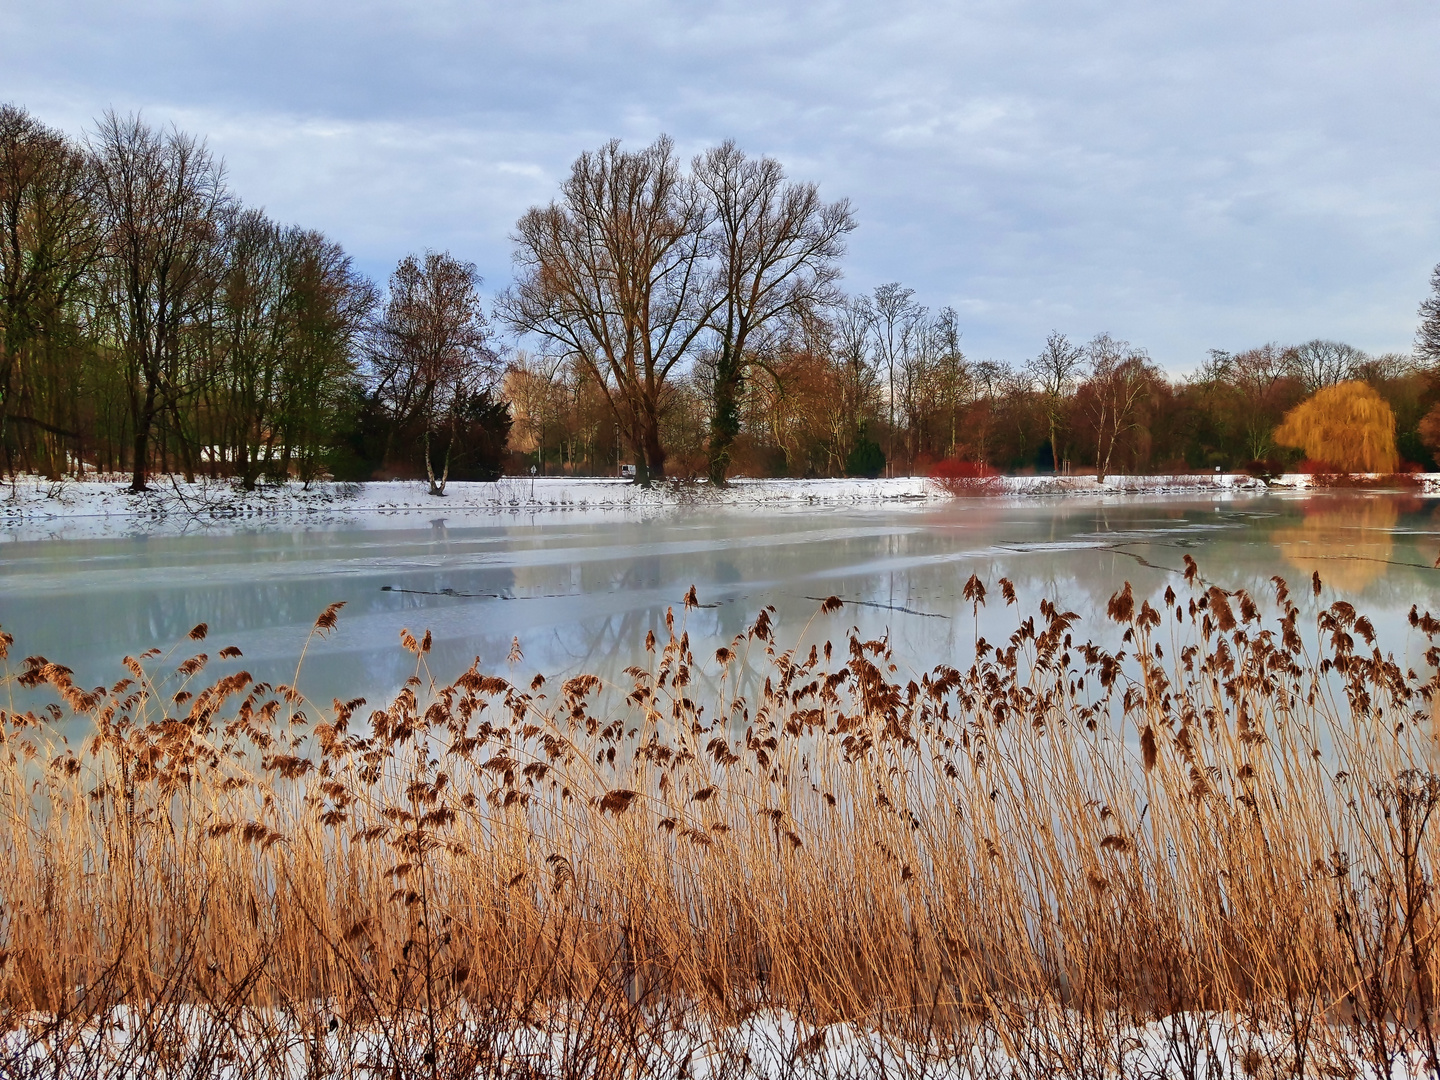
(884, 607)
(1119, 549)
(454, 594)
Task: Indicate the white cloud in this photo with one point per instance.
(1186, 176)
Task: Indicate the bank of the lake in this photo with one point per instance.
(34, 507)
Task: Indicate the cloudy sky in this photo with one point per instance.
(1186, 176)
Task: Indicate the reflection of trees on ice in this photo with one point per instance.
(1348, 541)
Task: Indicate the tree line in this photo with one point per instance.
(684, 318)
(691, 320)
(872, 383)
(151, 322)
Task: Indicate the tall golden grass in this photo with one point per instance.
(1216, 833)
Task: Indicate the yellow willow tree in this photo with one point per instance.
(1348, 426)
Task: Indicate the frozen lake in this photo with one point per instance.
(581, 591)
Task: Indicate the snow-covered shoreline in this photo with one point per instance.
(32, 507)
(766, 1042)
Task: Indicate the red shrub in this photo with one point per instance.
(965, 477)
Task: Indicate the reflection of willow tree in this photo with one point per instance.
(1348, 541)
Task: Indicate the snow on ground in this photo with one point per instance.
(35, 508)
(183, 1040)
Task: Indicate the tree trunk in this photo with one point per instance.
(725, 424)
(1102, 454)
(187, 459)
(429, 465)
(144, 418)
(5, 369)
(635, 441)
(654, 453)
(437, 486)
(141, 451)
(249, 468)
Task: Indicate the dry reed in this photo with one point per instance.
(1212, 848)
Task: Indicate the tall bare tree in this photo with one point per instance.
(954, 381)
(430, 352)
(49, 241)
(330, 307)
(253, 330)
(1261, 383)
(898, 320)
(1055, 371)
(1321, 363)
(535, 387)
(1427, 334)
(858, 379)
(287, 314)
(164, 200)
(777, 250)
(612, 273)
(1120, 378)
(992, 380)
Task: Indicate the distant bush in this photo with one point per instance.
(867, 459)
(1265, 469)
(960, 477)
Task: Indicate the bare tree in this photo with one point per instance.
(49, 241)
(859, 380)
(430, 352)
(535, 387)
(1321, 363)
(1120, 379)
(163, 198)
(1427, 334)
(1386, 367)
(934, 380)
(1055, 372)
(252, 333)
(287, 312)
(613, 274)
(954, 380)
(898, 319)
(777, 248)
(331, 305)
(1263, 383)
(991, 380)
